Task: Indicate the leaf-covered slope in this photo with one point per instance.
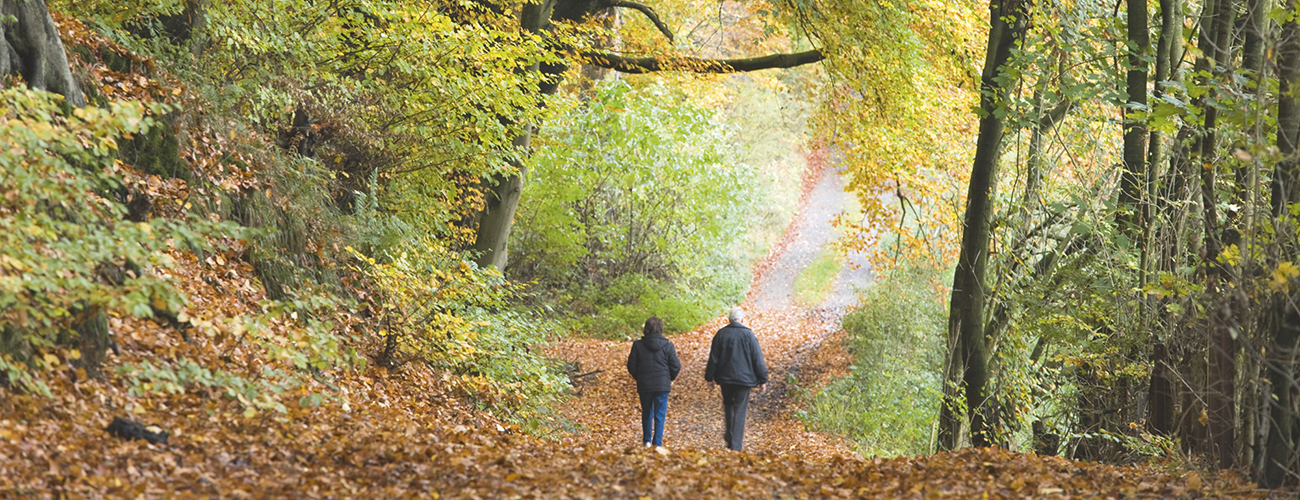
(408, 433)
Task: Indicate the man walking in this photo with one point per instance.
(736, 364)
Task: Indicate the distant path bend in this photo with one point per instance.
(790, 335)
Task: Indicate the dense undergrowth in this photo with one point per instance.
(651, 215)
(305, 272)
(888, 402)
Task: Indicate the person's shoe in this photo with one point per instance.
(661, 450)
(647, 444)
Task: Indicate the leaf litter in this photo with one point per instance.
(405, 433)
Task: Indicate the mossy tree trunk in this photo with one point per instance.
(1007, 22)
(33, 48)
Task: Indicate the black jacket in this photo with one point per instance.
(653, 363)
(735, 358)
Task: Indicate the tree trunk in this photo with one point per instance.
(1161, 419)
(493, 235)
(966, 310)
(1222, 347)
(33, 48)
(1280, 367)
(1135, 131)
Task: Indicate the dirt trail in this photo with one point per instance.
(789, 334)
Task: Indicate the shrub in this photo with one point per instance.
(66, 253)
(433, 307)
(889, 402)
(632, 203)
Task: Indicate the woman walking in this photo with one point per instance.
(653, 363)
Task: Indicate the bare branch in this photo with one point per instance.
(1055, 114)
(698, 65)
(649, 13)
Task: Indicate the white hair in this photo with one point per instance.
(736, 315)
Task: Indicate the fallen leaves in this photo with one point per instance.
(405, 433)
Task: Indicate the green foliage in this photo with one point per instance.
(438, 309)
(815, 281)
(186, 375)
(430, 102)
(633, 210)
(65, 249)
(293, 334)
(889, 403)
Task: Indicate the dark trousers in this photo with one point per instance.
(735, 405)
(654, 408)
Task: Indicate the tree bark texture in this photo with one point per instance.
(966, 309)
(492, 239)
(33, 48)
(1222, 346)
(1160, 420)
(1280, 362)
(1131, 213)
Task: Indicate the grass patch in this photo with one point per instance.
(815, 281)
(889, 402)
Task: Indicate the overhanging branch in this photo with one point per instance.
(649, 13)
(698, 65)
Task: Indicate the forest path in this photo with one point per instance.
(790, 335)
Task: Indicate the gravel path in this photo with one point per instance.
(813, 233)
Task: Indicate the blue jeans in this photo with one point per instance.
(654, 407)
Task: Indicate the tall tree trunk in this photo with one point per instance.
(33, 48)
(1160, 419)
(1221, 400)
(966, 310)
(1135, 131)
(1280, 363)
(1247, 213)
(493, 235)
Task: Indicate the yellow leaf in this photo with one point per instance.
(51, 360)
(74, 354)
(250, 412)
(1282, 276)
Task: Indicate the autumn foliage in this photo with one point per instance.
(253, 246)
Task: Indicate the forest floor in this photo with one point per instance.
(783, 458)
(404, 434)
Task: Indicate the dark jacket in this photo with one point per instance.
(735, 358)
(653, 363)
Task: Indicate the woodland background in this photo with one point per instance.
(305, 235)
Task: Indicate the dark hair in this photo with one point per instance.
(653, 326)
